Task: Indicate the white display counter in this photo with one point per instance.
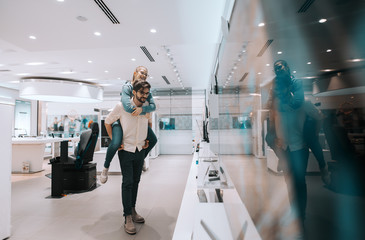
(31, 151)
(211, 219)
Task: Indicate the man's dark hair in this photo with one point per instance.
(140, 84)
(281, 65)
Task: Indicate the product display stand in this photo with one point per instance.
(211, 207)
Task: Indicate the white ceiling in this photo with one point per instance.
(190, 29)
(298, 35)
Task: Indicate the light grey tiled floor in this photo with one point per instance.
(98, 214)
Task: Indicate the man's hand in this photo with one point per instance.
(137, 111)
(146, 144)
(121, 147)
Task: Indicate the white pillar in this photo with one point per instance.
(7, 115)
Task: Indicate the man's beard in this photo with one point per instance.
(141, 99)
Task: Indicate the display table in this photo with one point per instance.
(31, 151)
(212, 219)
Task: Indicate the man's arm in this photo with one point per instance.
(292, 97)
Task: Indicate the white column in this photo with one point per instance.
(7, 115)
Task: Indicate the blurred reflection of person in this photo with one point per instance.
(312, 126)
(287, 118)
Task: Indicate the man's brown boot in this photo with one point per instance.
(136, 217)
(129, 225)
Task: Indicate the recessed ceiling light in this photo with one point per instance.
(1, 65)
(35, 63)
(60, 0)
(89, 61)
(267, 64)
(356, 60)
(97, 33)
(151, 77)
(329, 50)
(152, 30)
(280, 52)
(323, 20)
(309, 63)
(235, 67)
(294, 71)
(106, 71)
(118, 78)
(22, 74)
(261, 24)
(133, 59)
(310, 77)
(67, 72)
(327, 70)
(15, 81)
(90, 79)
(105, 84)
(32, 37)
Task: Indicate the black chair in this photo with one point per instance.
(76, 173)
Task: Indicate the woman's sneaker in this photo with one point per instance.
(104, 175)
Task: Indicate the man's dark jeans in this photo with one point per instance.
(131, 165)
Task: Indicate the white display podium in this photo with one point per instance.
(212, 219)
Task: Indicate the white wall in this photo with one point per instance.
(176, 142)
(232, 141)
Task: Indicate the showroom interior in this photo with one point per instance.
(212, 173)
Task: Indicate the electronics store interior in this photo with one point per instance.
(191, 123)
